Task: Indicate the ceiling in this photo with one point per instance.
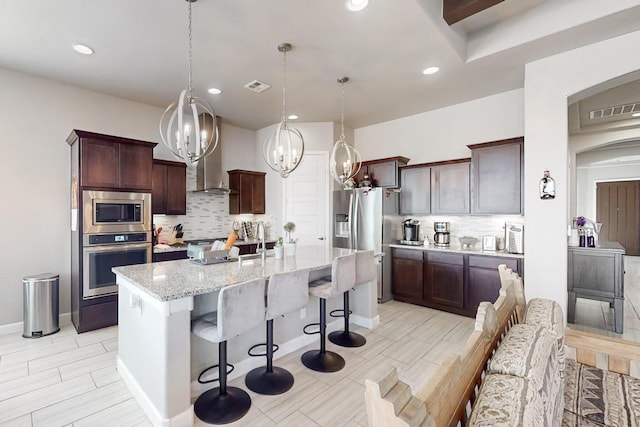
(141, 51)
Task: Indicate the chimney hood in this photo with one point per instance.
(209, 173)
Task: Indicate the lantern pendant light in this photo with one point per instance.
(344, 162)
(284, 148)
(188, 127)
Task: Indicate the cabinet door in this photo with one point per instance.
(246, 193)
(450, 189)
(159, 189)
(384, 174)
(484, 279)
(176, 196)
(99, 163)
(444, 281)
(415, 196)
(407, 273)
(136, 163)
(497, 179)
(258, 202)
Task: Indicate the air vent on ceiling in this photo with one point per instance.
(257, 86)
(614, 111)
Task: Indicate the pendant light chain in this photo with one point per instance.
(284, 86)
(342, 137)
(190, 86)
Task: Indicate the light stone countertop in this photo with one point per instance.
(169, 280)
(602, 247)
(458, 249)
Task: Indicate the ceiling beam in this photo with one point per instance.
(456, 10)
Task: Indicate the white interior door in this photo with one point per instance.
(307, 198)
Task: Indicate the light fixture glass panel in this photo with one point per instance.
(345, 161)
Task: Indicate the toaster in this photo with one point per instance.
(514, 238)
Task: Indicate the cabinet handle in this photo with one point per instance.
(320, 238)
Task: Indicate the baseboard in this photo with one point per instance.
(185, 418)
(365, 322)
(245, 365)
(18, 327)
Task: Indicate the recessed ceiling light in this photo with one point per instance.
(636, 114)
(430, 70)
(292, 117)
(214, 91)
(356, 5)
(83, 49)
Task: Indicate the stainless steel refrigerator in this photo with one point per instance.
(361, 220)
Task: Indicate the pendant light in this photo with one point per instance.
(344, 162)
(188, 126)
(284, 148)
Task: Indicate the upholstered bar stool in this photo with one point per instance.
(343, 278)
(365, 272)
(286, 292)
(240, 308)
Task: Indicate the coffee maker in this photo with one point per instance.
(441, 236)
(411, 232)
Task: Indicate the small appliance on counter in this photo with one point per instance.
(411, 232)
(442, 233)
(513, 238)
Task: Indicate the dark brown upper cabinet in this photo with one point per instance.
(113, 163)
(382, 172)
(450, 187)
(247, 192)
(169, 188)
(415, 197)
(496, 177)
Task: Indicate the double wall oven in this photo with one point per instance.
(116, 231)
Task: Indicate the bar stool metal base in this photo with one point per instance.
(326, 361)
(271, 383)
(347, 339)
(215, 408)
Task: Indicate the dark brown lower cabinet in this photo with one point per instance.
(407, 273)
(444, 280)
(452, 282)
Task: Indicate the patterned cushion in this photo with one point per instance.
(505, 400)
(529, 352)
(547, 313)
(600, 397)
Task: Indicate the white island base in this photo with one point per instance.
(158, 357)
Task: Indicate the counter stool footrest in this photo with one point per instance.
(332, 313)
(317, 324)
(275, 347)
(201, 381)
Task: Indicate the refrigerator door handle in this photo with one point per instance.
(356, 222)
(351, 232)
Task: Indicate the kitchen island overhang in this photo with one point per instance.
(157, 357)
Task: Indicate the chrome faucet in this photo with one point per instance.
(263, 251)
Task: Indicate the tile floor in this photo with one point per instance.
(68, 379)
(597, 317)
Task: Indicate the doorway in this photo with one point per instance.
(618, 209)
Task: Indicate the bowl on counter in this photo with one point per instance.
(467, 242)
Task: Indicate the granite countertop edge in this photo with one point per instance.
(459, 250)
(183, 247)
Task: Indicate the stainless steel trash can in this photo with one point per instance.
(40, 305)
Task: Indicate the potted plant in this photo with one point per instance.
(290, 245)
(278, 248)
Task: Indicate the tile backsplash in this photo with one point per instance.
(207, 216)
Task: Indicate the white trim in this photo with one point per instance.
(18, 327)
(184, 418)
(365, 322)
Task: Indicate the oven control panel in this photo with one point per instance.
(108, 239)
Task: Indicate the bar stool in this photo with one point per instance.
(286, 292)
(240, 308)
(343, 277)
(365, 272)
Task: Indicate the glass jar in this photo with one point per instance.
(582, 238)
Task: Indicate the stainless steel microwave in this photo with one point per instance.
(114, 212)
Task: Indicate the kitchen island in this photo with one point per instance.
(157, 357)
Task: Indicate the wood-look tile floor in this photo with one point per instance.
(68, 379)
(597, 317)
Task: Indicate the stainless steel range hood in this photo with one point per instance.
(209, 173)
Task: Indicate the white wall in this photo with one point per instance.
(548, 84)
(445, 133)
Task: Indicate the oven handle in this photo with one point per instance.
(119, 248)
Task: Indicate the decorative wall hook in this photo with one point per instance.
(547, 187)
